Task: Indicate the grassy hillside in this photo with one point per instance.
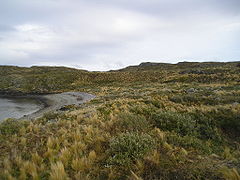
(59, 79)
(153, 121)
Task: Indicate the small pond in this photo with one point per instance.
(17, 107)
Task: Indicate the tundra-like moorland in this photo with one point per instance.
(152, 121)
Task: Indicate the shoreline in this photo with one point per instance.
(53, 102)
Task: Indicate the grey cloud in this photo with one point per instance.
(113, 33)
(6, 28)
(173, 8)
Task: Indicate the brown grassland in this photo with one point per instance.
(147, 122)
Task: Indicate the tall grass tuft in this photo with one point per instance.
(58, 172)
(230, 174)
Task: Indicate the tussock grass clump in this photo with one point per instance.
(230, 173)
(58, 171)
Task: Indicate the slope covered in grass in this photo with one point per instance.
(179, 122)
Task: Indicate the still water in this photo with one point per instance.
(18, 107)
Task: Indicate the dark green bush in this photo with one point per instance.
(146, 111)
(193, 124)
(197, 99)
(11, 126)
(128, 147)
(227, 119)
(185, 99)
(206, 127)
(128, 122)
(183, 124)
(189, 143)
(105, 110)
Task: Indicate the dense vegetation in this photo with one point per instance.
(153, 121)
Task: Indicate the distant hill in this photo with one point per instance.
(44, 79)
(146, 66)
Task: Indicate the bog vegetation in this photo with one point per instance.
(153, 121)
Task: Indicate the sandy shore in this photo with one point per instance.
(54, 102)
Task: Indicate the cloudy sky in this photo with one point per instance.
(111, 34)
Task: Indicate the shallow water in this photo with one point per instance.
(18, 107)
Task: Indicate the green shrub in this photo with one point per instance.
(189, 142)
(227, 119)
(129, 147)
(105, 110)
(171, 121)
(11, 126)
(206, 127)
(128, 122)
(146, 111)
(185, 99)
(200, 98)
(193, 124)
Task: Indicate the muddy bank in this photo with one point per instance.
(18, 106)
(54, 102)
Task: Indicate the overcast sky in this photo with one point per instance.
(111, 34)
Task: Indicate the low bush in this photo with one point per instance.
(193, 124)
(128, 122)
(228, 119)
(198, 99)
(171, 121)
(129, 147)
(11, 126)
(206, 127)
(146, 110)
(189, 143)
